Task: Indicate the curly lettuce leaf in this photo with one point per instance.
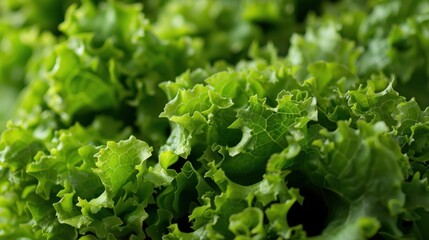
(364, 167)
(117, 162)
(264, 131)
(226, 215)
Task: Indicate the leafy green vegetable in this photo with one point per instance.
(206, 119)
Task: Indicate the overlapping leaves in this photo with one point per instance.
(317, 144)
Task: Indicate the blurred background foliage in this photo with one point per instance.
(389, 33)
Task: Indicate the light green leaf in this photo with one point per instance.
(264, 132)
(248, 224)
(117, 162)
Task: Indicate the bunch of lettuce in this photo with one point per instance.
(214, 120)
